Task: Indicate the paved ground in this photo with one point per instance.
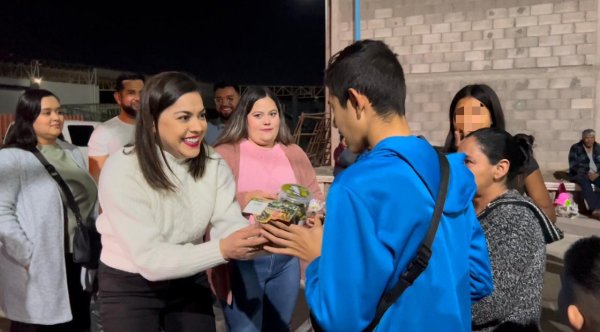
(551, 322)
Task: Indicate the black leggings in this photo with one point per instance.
(80, 306)
(129, 302)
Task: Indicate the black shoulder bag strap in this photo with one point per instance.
(63, 185)
(420, 262)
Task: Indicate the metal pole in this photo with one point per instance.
(356, 20)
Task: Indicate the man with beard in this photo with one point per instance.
(115, 133)
(227, 96)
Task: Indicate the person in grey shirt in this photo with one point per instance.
(515, 239)
(39, 282)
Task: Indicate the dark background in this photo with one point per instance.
(270, 42)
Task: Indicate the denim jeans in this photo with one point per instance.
(591, 197)
(265, 291)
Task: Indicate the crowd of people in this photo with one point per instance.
(167, 190)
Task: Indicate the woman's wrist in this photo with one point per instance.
(222, 248)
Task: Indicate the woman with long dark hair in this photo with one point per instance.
(39, 282)
(158, 198)
(477, 106)
(258, 147)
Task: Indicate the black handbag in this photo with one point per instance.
(550, 231)
(421, 260)
(86, 239)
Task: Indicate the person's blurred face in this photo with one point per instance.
(49, 123)
(344, 119)
(129, 98)
(263, 122)
(470, 114)
(478, 163)
(182, 126)
(226, 100)
(589, 140)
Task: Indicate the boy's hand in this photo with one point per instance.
(302, 242)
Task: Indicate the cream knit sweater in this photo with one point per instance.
(160, 234)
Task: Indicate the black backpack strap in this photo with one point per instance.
(61, 183)
(420, 262)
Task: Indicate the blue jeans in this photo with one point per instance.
(265, 291)
(591, 197)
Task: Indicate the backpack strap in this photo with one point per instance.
(420, 262)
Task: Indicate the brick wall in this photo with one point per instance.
(538, 55)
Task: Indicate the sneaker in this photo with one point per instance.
(596, 213)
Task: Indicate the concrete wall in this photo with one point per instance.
(539, 56)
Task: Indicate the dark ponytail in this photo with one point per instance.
(525, 142)
(497, 144)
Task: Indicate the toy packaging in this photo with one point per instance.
(564, 204)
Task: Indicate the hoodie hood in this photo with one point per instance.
(423, 158)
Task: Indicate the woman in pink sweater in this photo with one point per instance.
(258, 147)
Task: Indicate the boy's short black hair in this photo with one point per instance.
(224, 84)
(581, 280)
(370, 67)
(582, 264)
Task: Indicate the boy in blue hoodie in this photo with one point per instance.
(379, 211)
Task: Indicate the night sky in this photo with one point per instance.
(279, 42)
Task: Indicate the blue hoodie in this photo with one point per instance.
(378, 212)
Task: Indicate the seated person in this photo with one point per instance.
(584, 164)
(343, 156)
(579, 297)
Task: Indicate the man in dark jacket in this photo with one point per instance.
(584, 167)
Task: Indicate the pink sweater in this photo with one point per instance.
(303, 170)
(305, 175)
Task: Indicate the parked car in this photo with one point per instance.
(75, 132)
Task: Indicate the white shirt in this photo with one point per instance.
(109, 137)
(159, 234)
(590, 154)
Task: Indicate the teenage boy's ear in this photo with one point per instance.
(358, 101)
(575, 317)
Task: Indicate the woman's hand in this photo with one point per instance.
(302, 242)
(243, 244)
